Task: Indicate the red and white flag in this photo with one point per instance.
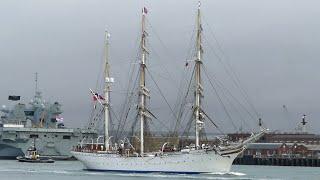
(96, 96)
(59, 119)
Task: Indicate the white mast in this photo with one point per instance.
(198, 86)
(144, 92)
(107, 89)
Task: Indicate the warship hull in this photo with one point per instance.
(55, 143)
(9, 152)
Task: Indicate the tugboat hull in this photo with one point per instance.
(23, 159)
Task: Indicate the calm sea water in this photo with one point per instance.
(72, 170)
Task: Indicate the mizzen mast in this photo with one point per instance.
(108, 81)
(144, 92)
(198, 82)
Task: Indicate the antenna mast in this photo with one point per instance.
(36, 80)
(107, 89)
(198, 85)
(304, 122)
(144, 92)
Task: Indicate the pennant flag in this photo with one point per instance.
(14, 98)
(304, 117)
(144, 10)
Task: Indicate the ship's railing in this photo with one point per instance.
(89, 148)
(96, 146)
(89, 145)
(99, 148)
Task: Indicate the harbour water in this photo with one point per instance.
(73, 170)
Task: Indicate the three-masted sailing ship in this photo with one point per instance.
(200, 158)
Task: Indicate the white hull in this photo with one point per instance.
(197, 161)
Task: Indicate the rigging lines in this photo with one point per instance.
(232, 73)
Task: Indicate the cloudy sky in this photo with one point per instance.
(272, 45)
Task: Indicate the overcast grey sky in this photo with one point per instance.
(272, 45)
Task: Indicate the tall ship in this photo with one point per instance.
(38, 121)
(125, 156)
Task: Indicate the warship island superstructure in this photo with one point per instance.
(39, 120)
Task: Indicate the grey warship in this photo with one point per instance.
(40, 120)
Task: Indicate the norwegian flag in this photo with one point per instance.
(96, 96)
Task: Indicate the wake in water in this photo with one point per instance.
(114, 175)
(229, 173)
(213, 176)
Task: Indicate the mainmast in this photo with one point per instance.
(144, 92)
(107, 89)
(198, 85)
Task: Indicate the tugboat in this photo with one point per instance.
(32, 156)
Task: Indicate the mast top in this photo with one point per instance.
(107, 35)
(199, 4)
(108, 79)
(304, 122)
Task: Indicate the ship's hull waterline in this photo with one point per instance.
(9, 152)
(191, 163)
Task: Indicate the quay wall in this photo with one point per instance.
(277, 161)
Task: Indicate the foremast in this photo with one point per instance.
(198, 82)
(107, 89)
(143, 92)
